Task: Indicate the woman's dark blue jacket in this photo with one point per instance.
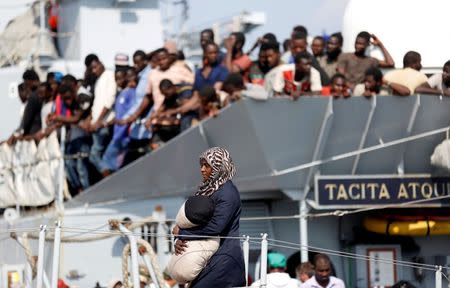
(226, 266)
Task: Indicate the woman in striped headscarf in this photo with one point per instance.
(226, 266)
(217, 168)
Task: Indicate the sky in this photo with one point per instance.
(317, 16)
(281, 15)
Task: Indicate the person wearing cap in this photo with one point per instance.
(121, 62)
(171, 47)
(177, 55)
(277, 276)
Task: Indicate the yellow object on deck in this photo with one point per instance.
(407, 228)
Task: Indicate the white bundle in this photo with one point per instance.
(441, 155)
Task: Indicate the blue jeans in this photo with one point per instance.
(77, 168)
(109, 159)
(100, 141)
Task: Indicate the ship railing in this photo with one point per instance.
(262, 242)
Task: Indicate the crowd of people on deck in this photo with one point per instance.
(115, 117)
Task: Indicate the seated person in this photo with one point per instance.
(298, 79)
(338, 87)
(166, 126)
(197, 210)
(405, 81)
(438, 84)
(372, 85)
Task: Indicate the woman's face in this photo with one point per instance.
(205, 169)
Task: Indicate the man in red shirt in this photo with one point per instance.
(236, 61)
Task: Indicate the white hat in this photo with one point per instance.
(121, 59)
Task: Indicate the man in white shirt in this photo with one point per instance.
(277, 277)
(438, 84)
(272, 49)
(298, 79)
(322, 275)
(405, 81)
(102, 110)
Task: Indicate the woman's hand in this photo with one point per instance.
(180, 246)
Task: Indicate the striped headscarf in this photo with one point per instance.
(222, 170)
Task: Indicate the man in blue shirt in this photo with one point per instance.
(120, 139)
(139, 136)
(143, 68)
(212, 73)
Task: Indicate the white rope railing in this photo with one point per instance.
(286, 244)
(336, 213)
(149, 220)
(262, 242)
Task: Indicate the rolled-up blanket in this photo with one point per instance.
(197, 210)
